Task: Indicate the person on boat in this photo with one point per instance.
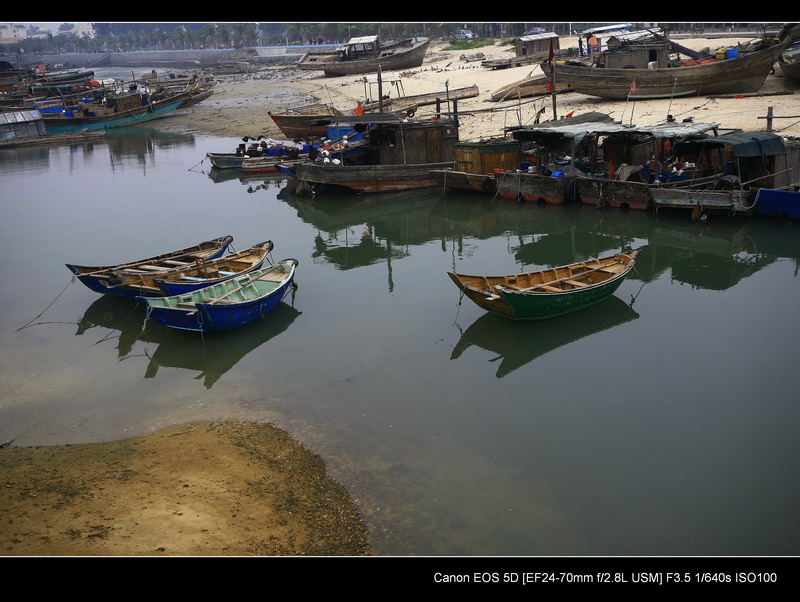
(592, 44)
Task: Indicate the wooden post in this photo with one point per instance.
(380, 91)
(769, 119)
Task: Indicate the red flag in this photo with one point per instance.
(359, 110)
(549, 86)
(552, 52)
(570, 114)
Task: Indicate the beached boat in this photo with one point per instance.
(409, 104)
(739, 73)
(366, 54)
(100, 280)
(533, 85)
(551, 292)
(171, 279)
(226, 305)
(789, 59)
(307, 121)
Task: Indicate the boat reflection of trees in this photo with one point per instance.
(714, 255)
(516, 343)
(210, 355)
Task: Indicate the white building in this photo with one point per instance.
(12, 32)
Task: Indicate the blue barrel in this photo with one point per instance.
(732, 53)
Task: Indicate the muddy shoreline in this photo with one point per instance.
(207, 489)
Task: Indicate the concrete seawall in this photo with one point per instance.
(267, 55)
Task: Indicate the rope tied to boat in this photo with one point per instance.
(30, 323)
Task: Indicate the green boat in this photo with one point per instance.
(548, 293)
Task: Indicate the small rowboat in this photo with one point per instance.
(548, 293)
(226, 305)
(100, 280)
(172, 279)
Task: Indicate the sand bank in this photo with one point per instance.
(240, 103)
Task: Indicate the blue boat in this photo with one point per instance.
(101, 279)
(227, 305)
(98, 119)
(775, 202)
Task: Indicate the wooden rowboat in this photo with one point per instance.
(548, 293)
(226, 305)
(172, 279)
(100, 279)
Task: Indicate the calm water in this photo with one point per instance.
(661, 422)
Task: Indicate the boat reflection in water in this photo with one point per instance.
(210, 356)
(517, 343)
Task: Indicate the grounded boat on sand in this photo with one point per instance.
(226, 305)
(551, 292)
(100, 280)
(645, 71)
(366, 54)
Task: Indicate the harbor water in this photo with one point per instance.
(662, 421)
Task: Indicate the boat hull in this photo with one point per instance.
(461, 180)
(702, 200)
(613, 193)
(369, 178)
(137, 116)
(778, 202)
(191, 312)
(528, 296)
(732, 76)
(399, 58)
(100, 278)
(535, 187)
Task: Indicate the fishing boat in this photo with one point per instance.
(409, 104)
(171, 279)
(100, 280)
(366, 54)
(307, 121)
(736, 72)
(478, 162)
(394, 154)
(531, 86)
(119, 111)
(789, 59)
(267, 148)
(226, 305)
(551, 292)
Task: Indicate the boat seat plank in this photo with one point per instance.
(173, 262)
(576, 284)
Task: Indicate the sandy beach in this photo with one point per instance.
(233, 488)
(240, 103)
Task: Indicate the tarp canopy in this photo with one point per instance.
(744, 144)
(581, 128)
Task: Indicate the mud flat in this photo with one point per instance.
(205, 489)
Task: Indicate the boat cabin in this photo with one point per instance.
(360, 48)
(746, 159)
(537, 45)
(21, 125)
(389, 140)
